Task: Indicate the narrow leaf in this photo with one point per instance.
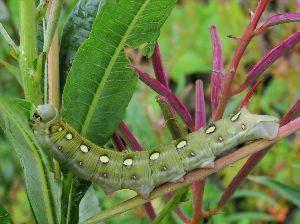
(42, 193)
(292, 194)
(279, 19)
(100, 83)
(76, 30)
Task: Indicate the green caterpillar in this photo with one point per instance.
(143, 171)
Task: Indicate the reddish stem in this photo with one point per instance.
(250, 94)
(243, 43)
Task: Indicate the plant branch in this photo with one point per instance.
(191, 177)
(239, 51)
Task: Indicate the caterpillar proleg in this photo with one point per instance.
(143, 171)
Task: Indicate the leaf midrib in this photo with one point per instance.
(93, 105)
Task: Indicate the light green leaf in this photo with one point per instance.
(89, 205)
(100, 84)
(290, 193)
(43, 193)
(249, 216)
(254, 195)
(4, 216)
(76, 30)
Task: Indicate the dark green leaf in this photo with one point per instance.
(100, 84)
(290, 193)
(42, 190)
(4, 216)
(76, 30)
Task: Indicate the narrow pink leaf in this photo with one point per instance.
(291, 113)
(279, 19)
(164, 91)
(129, 136)
(272, 56)
(200, 113)
(118, 141)
(218, 68)
(158, 67)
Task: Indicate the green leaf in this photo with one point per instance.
(100, 84)
(42, 190)
(292, 194)
(249, 216)
(76, 30)
(89, 205)
(4, 216)
(254, 195)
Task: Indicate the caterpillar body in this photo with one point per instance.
(143, 171)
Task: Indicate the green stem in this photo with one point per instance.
(28, 51)
(170, 205)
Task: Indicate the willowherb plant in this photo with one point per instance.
(98, 82)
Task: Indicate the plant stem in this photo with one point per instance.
(239, 51)
(55, 9)
(28, 51)
(53, 73)
(170, 205)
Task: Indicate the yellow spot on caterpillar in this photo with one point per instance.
(69, 136)
(84, 148)
(128, 162)
(104, 159)
(243, 126)
(181, 144)
(192, 154)
(60, 128)
(235, 116)
(134, 177)
(164, 168)
(221, 138)
(154, 156)
(210, 129)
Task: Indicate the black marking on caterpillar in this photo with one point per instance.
(143, 171)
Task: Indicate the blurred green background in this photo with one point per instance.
(187, 53)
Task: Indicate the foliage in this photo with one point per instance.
(96, 84)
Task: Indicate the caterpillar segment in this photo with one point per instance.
(143, 171)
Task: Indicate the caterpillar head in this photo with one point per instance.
(42, 117)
